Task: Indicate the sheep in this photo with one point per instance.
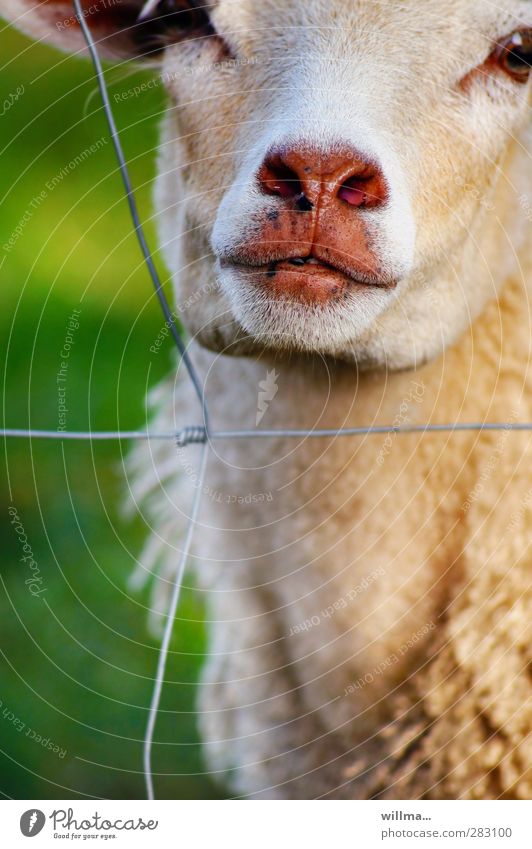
(344, 204)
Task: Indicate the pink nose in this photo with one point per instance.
(314, 239)
(305, 177)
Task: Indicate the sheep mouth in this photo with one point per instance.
(309, 279)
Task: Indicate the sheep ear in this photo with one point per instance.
(114, 24)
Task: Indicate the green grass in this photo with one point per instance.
(77, 662)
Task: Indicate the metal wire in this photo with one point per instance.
(201, 434)
(197, 434)
(163, 655)
(174, 601)
(139, 230)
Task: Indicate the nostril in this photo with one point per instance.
(353, 193)
(363, 190)
(302, 176)
(303, 203)
(277, 178)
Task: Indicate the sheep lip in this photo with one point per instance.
(314, 284)
(313, 268)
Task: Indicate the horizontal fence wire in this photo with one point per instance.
(200, 434)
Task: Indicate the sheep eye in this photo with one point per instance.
(165, 21)
(514, 55)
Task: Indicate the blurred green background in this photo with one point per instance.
(77, 669)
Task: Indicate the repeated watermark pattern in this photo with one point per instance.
(391, 660)
(168, 77)
(517, 516)
(482, 199)
(526, 206)
(268, 389)
(11, 99)
(340, 603)
(62, 374)
(176, 315)
(22, 728)
(415, 396)
(231, 498)
(163, 334)
(87, 12)
(34, 580)
(215, 495)
(490, 466)
(39, 198)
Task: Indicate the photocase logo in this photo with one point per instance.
(268, 391)
(32, 822)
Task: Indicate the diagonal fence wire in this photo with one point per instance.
(133, 210)
(200, 434)
(194, 377)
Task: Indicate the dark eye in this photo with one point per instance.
(514, 55)
(162, 22)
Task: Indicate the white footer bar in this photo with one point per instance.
(267, 824)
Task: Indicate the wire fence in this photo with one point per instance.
(197, 434)
(200, 434)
